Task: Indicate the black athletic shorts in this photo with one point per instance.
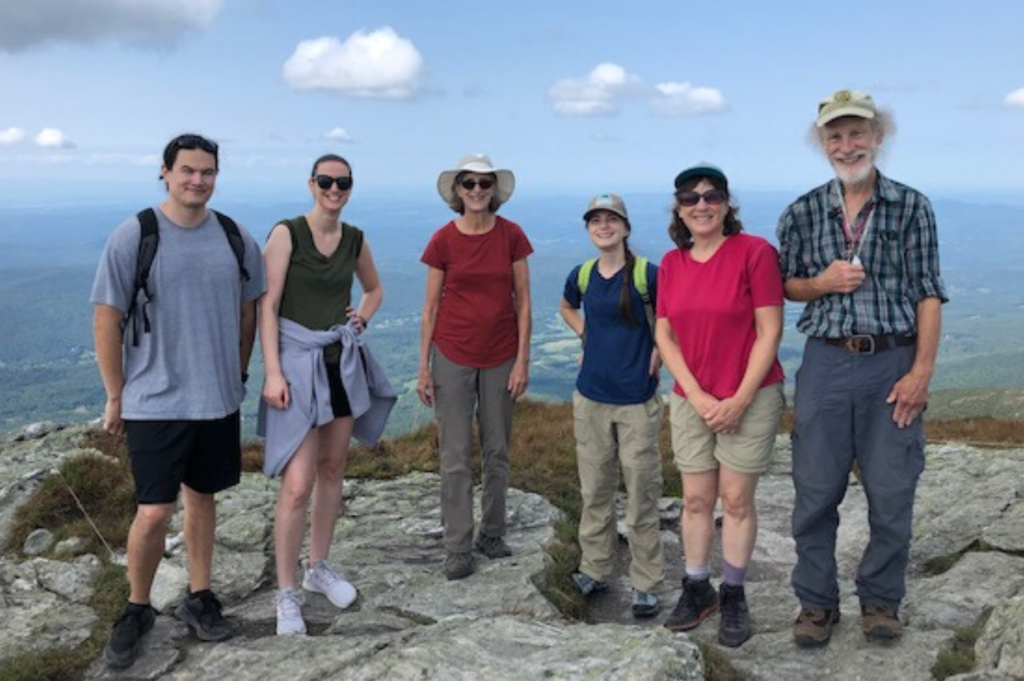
(339, 398)
(205, 455)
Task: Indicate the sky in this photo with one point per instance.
(570, 95)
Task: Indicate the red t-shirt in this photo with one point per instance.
(476, 320)
(710, 306)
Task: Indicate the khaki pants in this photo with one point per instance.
(460, 393)
(609, 436)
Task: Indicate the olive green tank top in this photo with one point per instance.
(318, 288)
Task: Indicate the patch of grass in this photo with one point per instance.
(980, 432)
(103, 486)
(959, 658)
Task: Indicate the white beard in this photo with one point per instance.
(857, 174)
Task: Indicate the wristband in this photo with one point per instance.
(245, 377)
(364, 322)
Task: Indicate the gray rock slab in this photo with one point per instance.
(1001, 646)
(959, 597)
(463, 647)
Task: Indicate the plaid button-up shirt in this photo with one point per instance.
(899, 250)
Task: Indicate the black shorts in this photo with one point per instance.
(339, 398)
(205, 455)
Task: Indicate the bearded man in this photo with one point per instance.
(862, 252)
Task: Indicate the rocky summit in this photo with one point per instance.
(411, 623)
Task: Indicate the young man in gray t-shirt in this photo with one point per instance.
(176, 385)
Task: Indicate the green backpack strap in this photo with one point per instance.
(640, 283)
(583, 276)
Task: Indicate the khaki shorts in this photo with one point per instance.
(696, 448)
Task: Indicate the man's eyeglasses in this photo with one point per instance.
(325, 181)
(470, 185)
(195, 142)
(712, 197)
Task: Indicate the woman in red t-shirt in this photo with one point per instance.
(475, 351)
(718, 331)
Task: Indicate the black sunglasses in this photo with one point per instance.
(195, 142)
(712, 197)
(325, 181)
(470, 185)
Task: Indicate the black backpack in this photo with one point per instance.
(148, 243)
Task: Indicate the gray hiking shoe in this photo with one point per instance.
(458, 565)
(492, 547)
(645, 604)
(586, 584)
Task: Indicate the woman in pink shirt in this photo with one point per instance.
(718, 330)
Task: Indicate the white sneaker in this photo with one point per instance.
(322, 579)
(289, 612)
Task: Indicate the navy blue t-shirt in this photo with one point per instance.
(616, 355)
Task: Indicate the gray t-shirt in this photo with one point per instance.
(188, 366)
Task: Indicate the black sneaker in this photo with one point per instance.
(734, 627)
(492, 547)
(697, 601)
(123, 647)
(201, 611)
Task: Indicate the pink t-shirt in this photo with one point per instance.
(476, 320)
(710, 306)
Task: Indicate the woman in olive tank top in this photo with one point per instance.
(310, 262)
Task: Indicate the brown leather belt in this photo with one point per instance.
(865, 344)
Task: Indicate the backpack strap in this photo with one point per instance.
(640, 283)
(234, 236)
(149, 239)
(583, 276)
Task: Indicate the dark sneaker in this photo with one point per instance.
(458, 565)
(813, 626)
(879, 622)
(201, 611)
(492, 547)
(645, 604)
(734, 627)
(697, 601)
(123, 647)
(587, 585)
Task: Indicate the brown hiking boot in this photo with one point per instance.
(879, 622)
(813, 627)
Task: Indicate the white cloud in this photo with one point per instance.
(26, 24)
(376, 64)
(680, 99)
(1016, 98)
(338, 135)
(12, 136)
(52, 138)
(598, 93)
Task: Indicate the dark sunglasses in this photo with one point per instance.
(470, 185)
(325, 181)
(195, 142)
(712, 197)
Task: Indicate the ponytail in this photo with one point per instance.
(625, 305)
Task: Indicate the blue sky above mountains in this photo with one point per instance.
(571, 95)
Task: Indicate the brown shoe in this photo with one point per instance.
(813, 627)
(879, 622)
